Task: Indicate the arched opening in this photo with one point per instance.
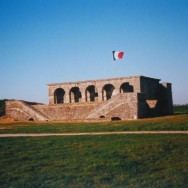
(59, 96)
(31, 119)
(90, 93)
(75, 95)
(107, 92)
(102, 117)
(125, 87)
(115, 118)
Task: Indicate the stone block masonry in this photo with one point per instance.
(98, 100)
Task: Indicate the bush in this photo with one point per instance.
(180, 109)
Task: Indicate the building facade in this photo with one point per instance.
(96, 100)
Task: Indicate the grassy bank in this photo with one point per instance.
(176, 122)
(97, 161)
(179, 121)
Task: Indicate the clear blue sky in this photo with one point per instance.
(47, 41)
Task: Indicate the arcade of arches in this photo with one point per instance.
(91, 94)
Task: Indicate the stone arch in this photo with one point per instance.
(31, 119)
(59, 96)
(126, 87)
(75, 94)
(90, 93)
(107, 92)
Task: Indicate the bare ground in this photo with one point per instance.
(90, 133)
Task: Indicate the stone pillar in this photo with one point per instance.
(115, 92)
(100, 95)
(82, 99)
(51, 99)
(66, 97)
(50, 95)
(72, 97)
(87, 96)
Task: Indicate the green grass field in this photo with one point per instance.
(96, 161)
(176, 122)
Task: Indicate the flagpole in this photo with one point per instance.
(116, 55)
(113, 69)
(113, 65)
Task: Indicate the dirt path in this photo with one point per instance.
(90, 133)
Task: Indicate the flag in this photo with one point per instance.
(117, 55)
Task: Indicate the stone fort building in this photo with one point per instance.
(96, 100)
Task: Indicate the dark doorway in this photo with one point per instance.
(59, 96)
(107, 92)
(125, 87)
(90, 93)
(75, 95)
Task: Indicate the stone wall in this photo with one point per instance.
(100, 93)
(66, 111)
(20, 110)
(150, 87)
(108, 99)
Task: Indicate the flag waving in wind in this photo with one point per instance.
(117, 55)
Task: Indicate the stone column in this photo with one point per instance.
(115, 92)
(51, 99)
(87, 96)
(66, 97)
(82, 99)
(99, 95)
(50, 95)
(72, 97)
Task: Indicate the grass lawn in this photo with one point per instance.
(176, 122)
(95, 161)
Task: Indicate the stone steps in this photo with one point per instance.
(107, 106)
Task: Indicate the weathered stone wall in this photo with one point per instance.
(66, 111)
(133, 82)
(166, 102)
(150, 87)
(123, 106)
(126, 109)
(118, 98)
(14, 110)
(20, 110)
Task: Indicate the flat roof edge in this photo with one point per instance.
(97, 80)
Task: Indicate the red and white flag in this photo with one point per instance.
(117, 55)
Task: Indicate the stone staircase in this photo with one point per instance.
(107, 106)
(27, 110)
(122, 106)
